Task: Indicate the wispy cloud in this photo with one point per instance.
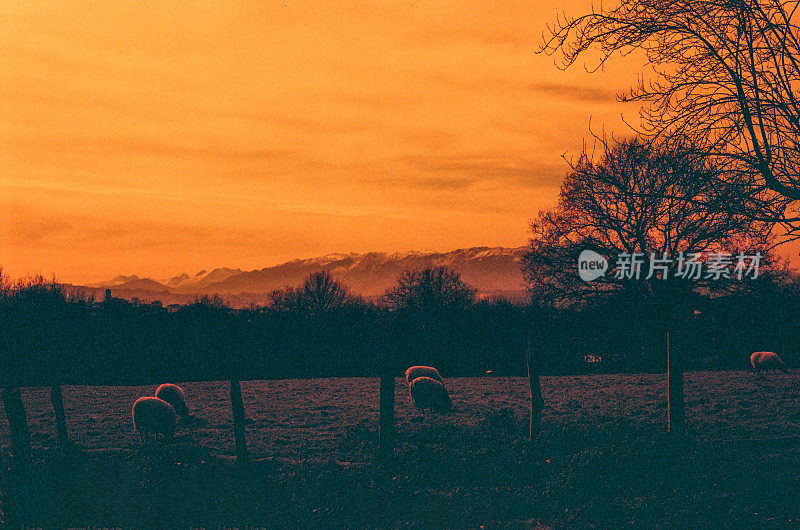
(454, 171)
(575, 93)
(93, 189)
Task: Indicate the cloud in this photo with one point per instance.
(147, 146)
(521, 84)
(441, 183)
(575, 93)
(462, 171)
(26, 225)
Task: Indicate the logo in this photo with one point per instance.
(688, 265)
(591, 265)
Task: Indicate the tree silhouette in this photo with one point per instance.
(429, 290)
(639, 198)
(319, 293)
(429, 308)
(725, 75)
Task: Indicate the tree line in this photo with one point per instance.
(315, 329)
(320, 329)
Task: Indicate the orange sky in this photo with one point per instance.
(155, 138)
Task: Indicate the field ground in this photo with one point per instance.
(601, 459)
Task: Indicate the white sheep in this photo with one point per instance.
(428, 393)
(423, 371)
(767, 360)
(154, 416)
(173, 394)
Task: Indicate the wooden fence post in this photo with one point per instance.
(537, 402)
(386, 418)
(17, 424)
(237, 408)
(676, 409)
(61, 419)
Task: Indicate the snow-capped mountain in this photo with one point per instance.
(201, 279)
(490, 270)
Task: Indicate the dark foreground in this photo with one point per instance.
(601, 459)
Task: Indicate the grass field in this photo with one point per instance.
(601, 459)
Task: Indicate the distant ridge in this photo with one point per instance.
(115, 281)
(488, 269)
(143, 284)
(201, 279)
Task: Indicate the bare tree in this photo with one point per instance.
(429, 290)
(428, 306)
(724, 76)
(660, 202)
(319, 293)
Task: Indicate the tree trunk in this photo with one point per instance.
(537, 402)
(676, 408)
(237, 407)
(386, 418)
(17, 424)
(61, 419)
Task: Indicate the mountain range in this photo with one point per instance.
(491, 270)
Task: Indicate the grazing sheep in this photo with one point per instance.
(428, 393)
(423, 371)
(154, 416)
(767, 360)
(173, 394)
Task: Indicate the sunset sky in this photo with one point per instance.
(155, 138)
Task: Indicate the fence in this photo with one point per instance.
(21, 444)
(21, 440)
